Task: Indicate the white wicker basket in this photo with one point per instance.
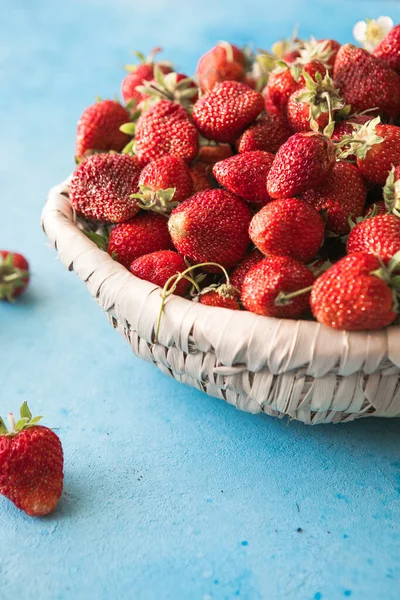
(281, 367)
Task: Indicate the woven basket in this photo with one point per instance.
(281, 367)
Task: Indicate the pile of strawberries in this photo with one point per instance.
(268, 182)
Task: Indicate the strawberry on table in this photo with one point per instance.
(99, 128)
(211, 226)
(223, 113)
(288, 227)
(350, 295)
(224, 62)
(378, 235)
(14, 275)
(31, 464)
(102, 185)
(145, 233)
(164, 183)
(365, 82)
(268, 280)
(166, 128)
(268, 133)
(158, 267)
(302, 162)
(246, 175)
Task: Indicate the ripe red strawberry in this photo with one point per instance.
(201, 176)
(223, 113)
(265, 283)
(246, 175)
(31, 465)
(379, 208)
(146, 233)
(101, 187)
(224, 62)
(342, 195)
(301, 163)
(284, 80)
(389, 49)
(288, 227)
(98, 128)
(366, 82)
(350, 296)
(158, 267)
(164, 183)
(348, 127)
(214, 152)
(378, 235)
(240, 271)
(14, 275)
(141, 73)
(165, 128)
(267, 134)
(176, 87)
(223, 296)
(313, 105)
(211, 226)
(378, 160)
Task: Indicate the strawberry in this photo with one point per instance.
(240, 271)
(342, 195)
(246, 175)
(391, 192)
(223, 113)
(376, 163)
(366, 82)
(165, 128)
(213, 153)
(98, 128)
(14, 275)
(268, 280)
(211, 226)
(388, 51)
(223, 296)
(324, 51)
(158, 267)
(301, 163)
(351, 296)
(222, 63)
(201, 176)
(313, 105)
(285, 79)
(268, 134)
(101, 187)
(139, 74)
(146, 233)
(288, 227)
(378, 235)
(164, 183)
(31, 464)
(378, 208)
(348, 127)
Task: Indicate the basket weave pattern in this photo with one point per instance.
(281, 367)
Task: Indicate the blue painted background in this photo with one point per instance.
(168, 494)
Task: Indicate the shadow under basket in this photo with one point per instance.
(259, 364)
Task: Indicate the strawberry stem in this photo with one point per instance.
(11, 420)
(284, 298)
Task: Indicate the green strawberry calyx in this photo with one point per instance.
(322, 96)
(390, 275)
(11, 277)
(225, 290)
(159, 201)
(167, 87)
(147, 60)
(391, 193)
(314, 50)
(361, 141)
(26, 421)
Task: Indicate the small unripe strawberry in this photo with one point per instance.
(223, 296)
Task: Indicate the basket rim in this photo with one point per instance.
(57, 214)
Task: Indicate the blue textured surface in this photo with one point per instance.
(168, 494)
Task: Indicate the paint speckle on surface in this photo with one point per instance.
(317, 596)
(347, 593)
(342, 497)
(345, 536)
(244, 543)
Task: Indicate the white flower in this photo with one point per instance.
(371, 32)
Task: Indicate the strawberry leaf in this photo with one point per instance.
(21, 424)
(25, 412)
(3, 428)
